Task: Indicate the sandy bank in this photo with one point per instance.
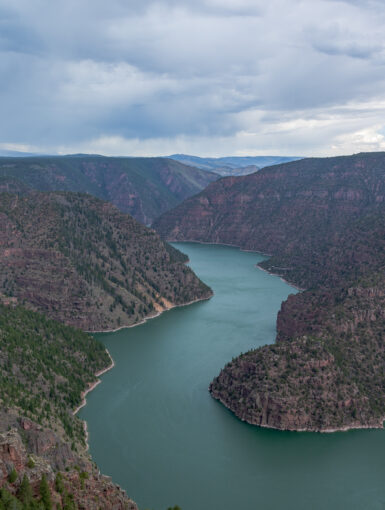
(93, 385)
(157, 314)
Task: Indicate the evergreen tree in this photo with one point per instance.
(25, 491)
(59, 485)
(9, 502)
(45, 493)
(12, 477)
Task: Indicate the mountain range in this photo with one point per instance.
(143, 187)
(232, 165)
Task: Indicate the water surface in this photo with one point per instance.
(155, 429)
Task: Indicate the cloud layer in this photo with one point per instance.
(210, 77)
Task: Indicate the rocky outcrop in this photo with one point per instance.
(86, 264)
(34, 451)
(324, 373)
(45, 370)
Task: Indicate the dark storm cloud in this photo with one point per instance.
(236, 75)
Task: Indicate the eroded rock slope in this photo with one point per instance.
(83, 262)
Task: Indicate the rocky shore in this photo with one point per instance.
(34, 451)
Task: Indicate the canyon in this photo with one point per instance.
(321, 221)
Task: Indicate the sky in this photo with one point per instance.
(204, 77)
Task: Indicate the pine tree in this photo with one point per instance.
(45, 493)
(25, 491)
(59, 485)
(12, 477)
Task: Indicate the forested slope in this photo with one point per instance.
(86, 264)
(44, 369)
(143, 187)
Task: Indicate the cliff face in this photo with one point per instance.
(84, 263)
(142, 187)
(323, 222)
(34, 452)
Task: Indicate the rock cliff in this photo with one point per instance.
(45, 367)
(32, 452)
(326, 371)
(294, 211)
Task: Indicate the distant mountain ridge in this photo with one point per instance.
(143, 187)
(232, 165)
(323, 222)
(17, 154)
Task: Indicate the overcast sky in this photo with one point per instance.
(204, 77)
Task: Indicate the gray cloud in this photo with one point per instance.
(243, 76)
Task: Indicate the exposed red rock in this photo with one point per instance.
(83, 262)
(35, 451)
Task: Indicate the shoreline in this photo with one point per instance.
(247, 251)
(224, 244)
(84, 393)
(280, 277)
(149, 317)
(346, 428)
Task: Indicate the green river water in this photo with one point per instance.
(155, 429)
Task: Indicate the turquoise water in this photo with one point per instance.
(155, 429)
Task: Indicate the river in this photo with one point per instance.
(155, 429)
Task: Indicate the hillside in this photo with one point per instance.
(322, 220)
(295, 212)
(86, 264)
(143, 187)
(325, 373)
(231, 165)
(45, 367)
